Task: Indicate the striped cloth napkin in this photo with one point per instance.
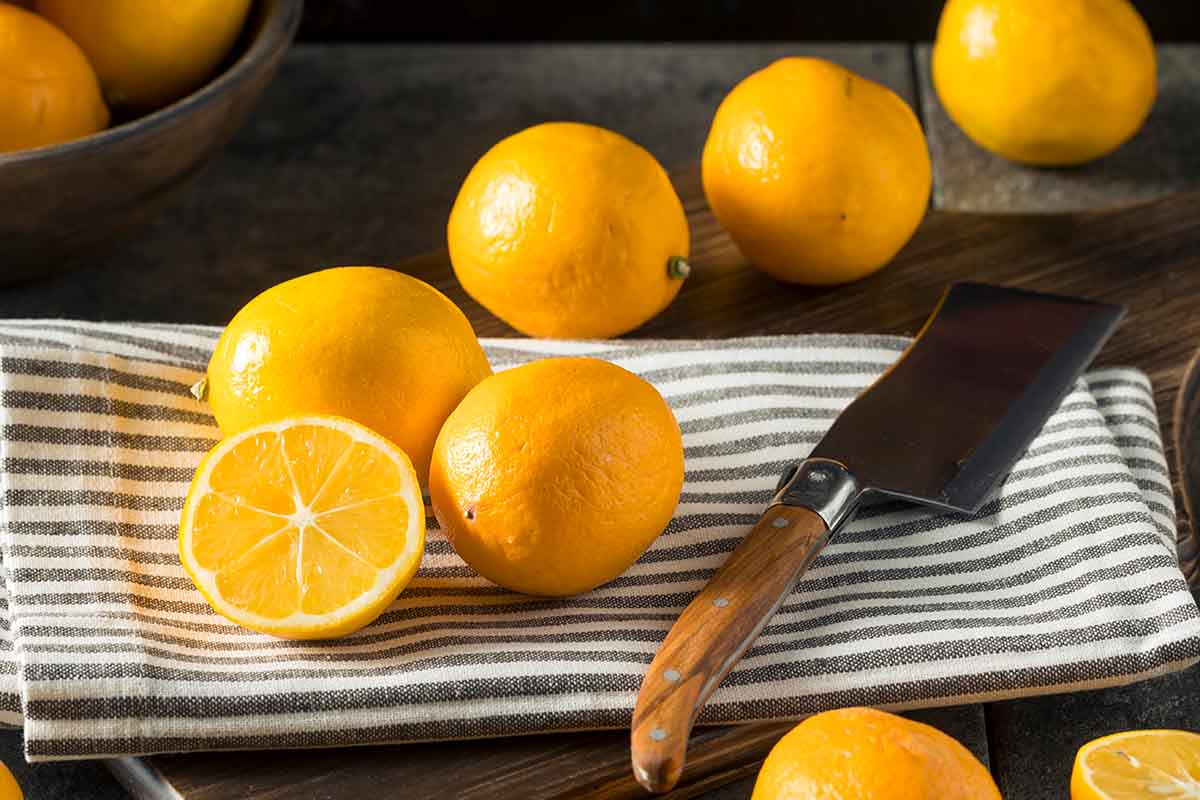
(1066, 580)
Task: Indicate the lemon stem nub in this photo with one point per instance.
(199, 389)
(678, 267)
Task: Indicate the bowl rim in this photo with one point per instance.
(277, 31)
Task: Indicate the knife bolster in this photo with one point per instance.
(821, 485)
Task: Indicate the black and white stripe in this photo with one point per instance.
(1066, 580)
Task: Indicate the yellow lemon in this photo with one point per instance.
(149, 53)
(1138, 764)
(554, 477)
(819, 175)
(48, 90)
(9, 788)
(305, 528)
(1051, 84)
(569, 230)
(371, 344)
(864, 754)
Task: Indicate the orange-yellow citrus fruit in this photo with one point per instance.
(48, 90)
(305, 528)
(819, 175)
(1138, 764)
(865, 754)
(569, 230)
(149, 53)
(554, 477)
(1051, 84)
(9, 788)
(371, 344)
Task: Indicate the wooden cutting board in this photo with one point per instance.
(1147, 258)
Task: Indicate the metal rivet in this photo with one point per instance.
(658, 734)
(781, 522)
(672, 675)
(721, 602)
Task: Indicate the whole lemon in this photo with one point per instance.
(1051, 84)
(48, 90)
(374, 345)
(569, 230)
(554, 477)
(149, 53)
(864, 754)
(819, 175)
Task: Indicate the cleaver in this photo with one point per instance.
(941, 427)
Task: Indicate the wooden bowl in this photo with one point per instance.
(63, 202)
(1187, 468)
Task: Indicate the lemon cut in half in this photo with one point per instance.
(305, 528)
(1138, 764)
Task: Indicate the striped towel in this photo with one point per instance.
(1066, 580)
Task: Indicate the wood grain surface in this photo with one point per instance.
(1147, 258)
(713, 632)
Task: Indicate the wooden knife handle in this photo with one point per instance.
(713, 632)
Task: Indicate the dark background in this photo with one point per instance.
(665, 20)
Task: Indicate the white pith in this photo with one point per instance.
(307, 522)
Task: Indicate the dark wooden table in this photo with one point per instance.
(354, 158)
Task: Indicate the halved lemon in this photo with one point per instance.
(305, 528)
(1138, 764)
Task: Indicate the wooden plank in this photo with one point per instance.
(1162, 158)
(723, 764)
(1147, 258)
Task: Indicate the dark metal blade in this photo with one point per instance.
(948, 420)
